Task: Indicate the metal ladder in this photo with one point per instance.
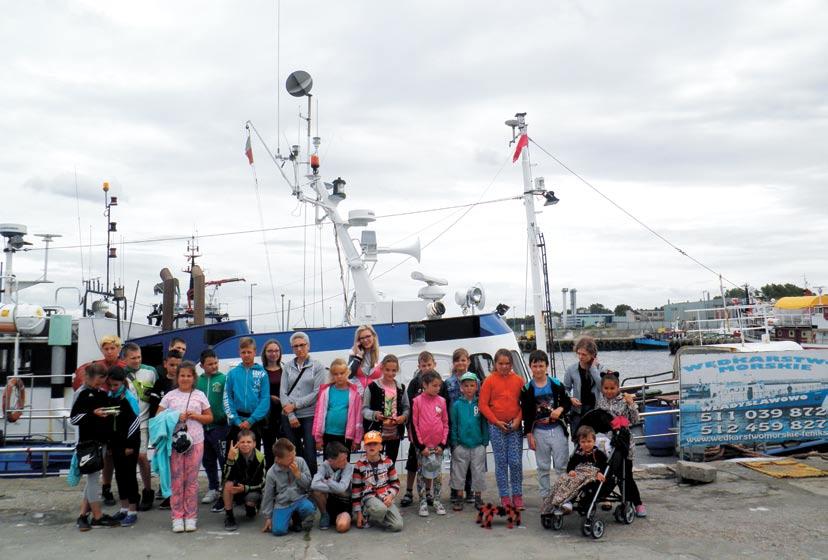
(547, 312)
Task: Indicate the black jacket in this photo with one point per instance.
(126, 433)
(249, 473)
(162, 386)
(376, 402)
(595, 457)
(530, 409)
(90, 426)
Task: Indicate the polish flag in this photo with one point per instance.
(248, 150)
(522, 142)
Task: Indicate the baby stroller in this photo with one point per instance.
(612, 489)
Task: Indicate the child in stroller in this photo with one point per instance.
(592, 477)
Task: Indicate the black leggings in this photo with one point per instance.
(391, 448)
(631, 488)
(125, 466)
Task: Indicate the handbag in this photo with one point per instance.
(90, 456)
(182, 442)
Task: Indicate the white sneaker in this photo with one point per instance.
(190, 525)
(438, 508)
(210, 497)
(178, 525)
(567, 507)
(423, 512)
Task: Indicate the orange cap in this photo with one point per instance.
(372, 437)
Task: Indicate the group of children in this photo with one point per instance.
(217, 421)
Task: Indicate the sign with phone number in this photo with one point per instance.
(753, 397)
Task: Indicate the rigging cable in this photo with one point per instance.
(264, 239)
(629, 214)
(80, 233)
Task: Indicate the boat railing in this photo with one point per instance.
(644, 399)
(29, 413)
(43, 450)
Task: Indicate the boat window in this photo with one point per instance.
(214, 336)
(481, 364)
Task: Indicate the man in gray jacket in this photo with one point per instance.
(286, 491)
(301, 379)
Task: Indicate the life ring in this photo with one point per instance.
(14, 399)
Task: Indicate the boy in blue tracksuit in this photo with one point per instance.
(246, 394)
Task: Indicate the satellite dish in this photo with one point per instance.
(299, 83)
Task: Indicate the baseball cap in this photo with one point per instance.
(431, 466)
(372, 437)
(469, 376)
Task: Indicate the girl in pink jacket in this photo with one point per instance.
(338, 415)
(429, 433)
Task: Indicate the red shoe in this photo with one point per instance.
(506, 501)
(518, 501)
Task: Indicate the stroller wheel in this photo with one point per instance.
(619, 513)
(586, 527)
(629, 513)
(546, 521)
(557, 522)
(597, 529)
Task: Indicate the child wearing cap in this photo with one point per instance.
(374, 486)
(469, 438)
(429, 433)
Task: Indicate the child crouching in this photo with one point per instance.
(332, 488)
(286, 491)
(586, 465)
(374, 487)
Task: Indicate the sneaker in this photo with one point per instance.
(120, 516)
(558, 511)
(439, 509)
(307, 523)
(325, 521)
(165, 504)
(106, 494)
(147, 497)
(209, 497)
(506, 501)
(83, 524)
(249, 511)
(104, 521)
(408, 499)
(567, 507)
(218, 505)
(470, 499)
(190, 525)
(641, 511)
(130, 520)
(518, 501)
(430, 500)
(177, 525)
(423, 512)
(230, 523)
(457, 504)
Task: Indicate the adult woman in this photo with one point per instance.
(194, 409)
(365, 357)
(583, 380)
(301, 379)
(272, 362)
(499, 402)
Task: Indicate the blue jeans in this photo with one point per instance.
(280, 517)
(214, 454)
(302, 438)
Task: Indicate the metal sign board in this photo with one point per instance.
(756, 397)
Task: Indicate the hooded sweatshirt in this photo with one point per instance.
(246, 394)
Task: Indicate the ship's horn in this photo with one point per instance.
(412, 249)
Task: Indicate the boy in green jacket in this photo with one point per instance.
(211, 383)
(469, 437)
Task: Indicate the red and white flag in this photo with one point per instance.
(248, 150)
(522, 142)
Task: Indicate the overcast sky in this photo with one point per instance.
(706, 120)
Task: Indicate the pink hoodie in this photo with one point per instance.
(353, 426)
(429, 418)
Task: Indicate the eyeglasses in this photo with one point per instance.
(299, 345)
(366, 337)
